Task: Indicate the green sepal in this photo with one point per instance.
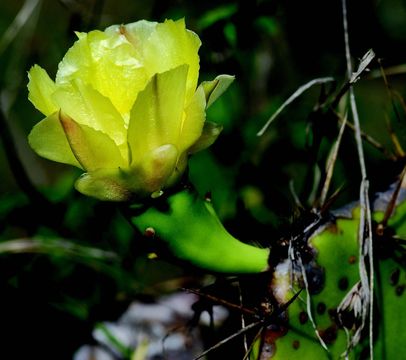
(214, 88)
(104, 184)
(210, 133)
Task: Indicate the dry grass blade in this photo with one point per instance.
(222, 342)
(366, 260)
(393, 94)
(353, 77)
(390, 91)
(22, 23)
(331, 163)
(395, 140)
(240, 300)
(372, 141)
(352, 302)
(256, 337)
(295, 197)
(18, 23)
(365, 228)
(389, 71)
(354, 111)
(363, 65)
(54, 246)
(309, 307)
(293, 97)
(391, 204)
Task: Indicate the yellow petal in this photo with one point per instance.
(169, 46)
(136, 33)
(194, 120)
(109, 63)
(41, 87)
(213, 89)
(88, 107)
(92, 148)
(157, 115)
(48, 140)
(77, 62)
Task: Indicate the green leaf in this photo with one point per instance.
(210, 133)
(215, 15)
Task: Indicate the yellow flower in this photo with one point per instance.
(125, 107)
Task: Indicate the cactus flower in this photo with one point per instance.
(125, 108)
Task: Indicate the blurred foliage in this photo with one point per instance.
(74, 261)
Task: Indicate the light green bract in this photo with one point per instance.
(125, 107)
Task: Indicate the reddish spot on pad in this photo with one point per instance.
(303, 317)
(296, 344)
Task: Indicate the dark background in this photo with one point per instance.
(50, 296)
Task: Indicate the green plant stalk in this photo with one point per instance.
(191, 230)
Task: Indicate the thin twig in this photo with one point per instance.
(240, 299)
(248, 352)
(222, 342)
(372, 141)
(226, 303)
(293, 97)
(263, 320)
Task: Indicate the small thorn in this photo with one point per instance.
(149, 232)
(207, 196)
(157, 194)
